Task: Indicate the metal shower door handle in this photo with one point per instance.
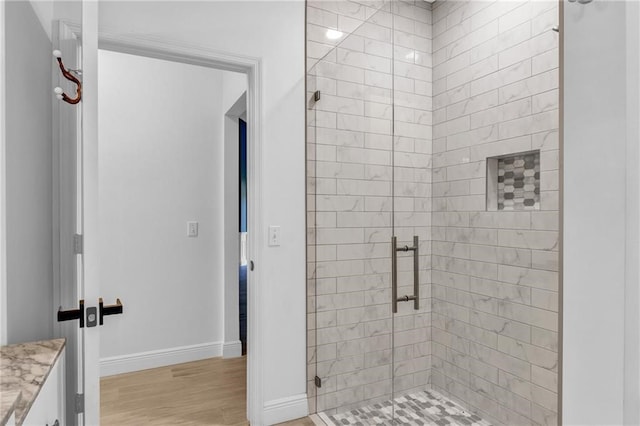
(394, 274)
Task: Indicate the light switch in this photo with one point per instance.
(274, 236)
(192, 229)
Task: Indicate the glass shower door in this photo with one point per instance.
(412, 197)
(453, 303)
(350, 223)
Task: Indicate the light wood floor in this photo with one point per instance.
(208, 392)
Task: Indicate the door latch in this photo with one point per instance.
(92, 318)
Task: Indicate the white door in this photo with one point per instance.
(90, 219)
(80, 313)
(67, 207)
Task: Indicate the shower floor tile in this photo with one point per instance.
(422, 408)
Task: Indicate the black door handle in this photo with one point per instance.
(72, 314)
(109, 309)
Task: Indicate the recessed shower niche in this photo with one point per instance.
(513, 182)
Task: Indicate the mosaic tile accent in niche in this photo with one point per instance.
(519, 182)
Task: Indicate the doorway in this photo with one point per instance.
(242, 186)
(164, 209)
(235, 219)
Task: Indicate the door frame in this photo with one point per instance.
(3, 182)
(167, 49)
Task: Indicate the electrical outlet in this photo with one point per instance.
(192, 229)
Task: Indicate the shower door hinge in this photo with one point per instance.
(318, 381)
(78, 244)
(316, 96)
(79, 403)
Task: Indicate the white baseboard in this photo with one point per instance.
(285, 409)
(159, 358)
(232, 349)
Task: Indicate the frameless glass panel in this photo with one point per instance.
(351, 187)
(311, 238)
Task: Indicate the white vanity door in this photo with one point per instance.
(49, 405)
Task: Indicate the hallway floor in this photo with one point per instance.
(207, 392)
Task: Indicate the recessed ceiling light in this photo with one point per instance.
(334, 34)
(412, 56)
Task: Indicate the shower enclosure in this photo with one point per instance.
(432, 200)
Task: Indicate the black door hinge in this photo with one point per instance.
(318, 381)
(78, 244)
(79, 403)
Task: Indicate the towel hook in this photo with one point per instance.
(58, 90)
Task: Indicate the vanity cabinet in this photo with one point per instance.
(49, 404)
(32, 383)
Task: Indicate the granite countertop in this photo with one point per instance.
(24, 367)
(8, 402)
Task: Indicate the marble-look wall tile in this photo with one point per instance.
(495, 273)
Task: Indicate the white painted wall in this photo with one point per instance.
(3, 182)
(3, 170)
(161, 165)
(273, 31)
(631, 401)
(45, 12)
(595, 210)
(28, 128)
(233, 86)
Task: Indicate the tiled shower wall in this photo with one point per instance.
(495, 273)
(350, 169)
